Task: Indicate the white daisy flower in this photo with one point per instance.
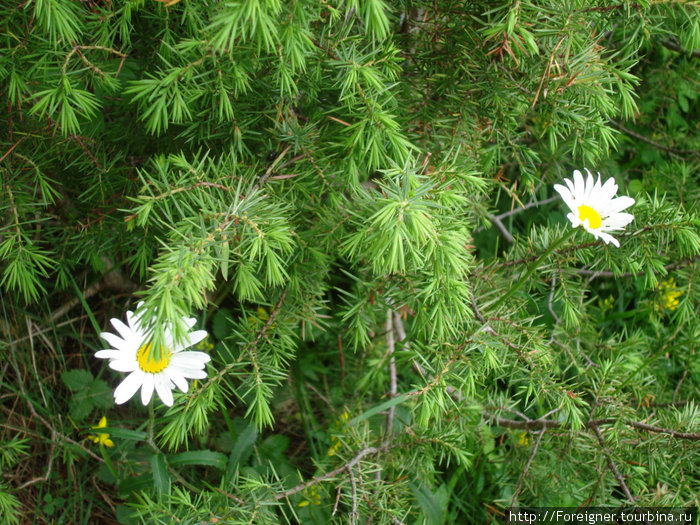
(131, 352)
(594, 207)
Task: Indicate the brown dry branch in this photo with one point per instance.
(611, 464)
(392, 373)
(662, 147)
(527, 467)
(367, 451)
(540, 423)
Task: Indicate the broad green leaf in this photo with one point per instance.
(241, 450)
(77, 379)
(124, 433)
(100, 394)
(161, 476)
(206, 458)
(142, 482)
(221, 324)
(379, 408)
(432, 504)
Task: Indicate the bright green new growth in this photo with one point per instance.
(355, 198)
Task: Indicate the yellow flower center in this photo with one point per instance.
(152, 366)
(586, 212)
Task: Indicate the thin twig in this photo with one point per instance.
(475, 309)
(11, 148)
(392, 373)
(78, 49)
(527, 467)
(263, 178)
(527, 206)
(611, 464)
(45, 330)
(502, 228)
(675, 46)
(47, 473)
(337, 498)
(497, 220)
(401, 332)
(695, 436)
(546, 71)
(566, 349)
(105, 498)
(406, 345)
(678, 386)
(54, 433)
(353, 485)
(113, 279)
(519, 86)
(609, 8)
(33, 359)
(604, 273)
(230, 496)
(259, 336)
(550, 302)
(367, 451)
(539, 423)
(662, 147)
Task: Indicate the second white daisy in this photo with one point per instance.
(131, 353)
(594, 206)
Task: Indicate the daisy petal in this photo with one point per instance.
(188, 364)
(579, 184)
(124, 365)
(147, 389)
(590, 184)
(192, 339)
(608, 190)
(618, 221)
(108, 354)
(607, 238)
(135, 325)
(163, 388)
(566, 196)
(128, 387)
(575, 221)
(177, 378)
(617, 205)
(571, 186)
(117, 342)
(193, 374)
(123, 330)
(192, 355)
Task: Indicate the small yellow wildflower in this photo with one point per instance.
(606, 304)
(523, 439)
(257, 321)
(668, 294)
(335, 445)
(206, 345)
(101, 437)
(313, 497)
(335, 442)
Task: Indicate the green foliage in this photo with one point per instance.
(88, 393)
(11, 453)
(355, 200)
